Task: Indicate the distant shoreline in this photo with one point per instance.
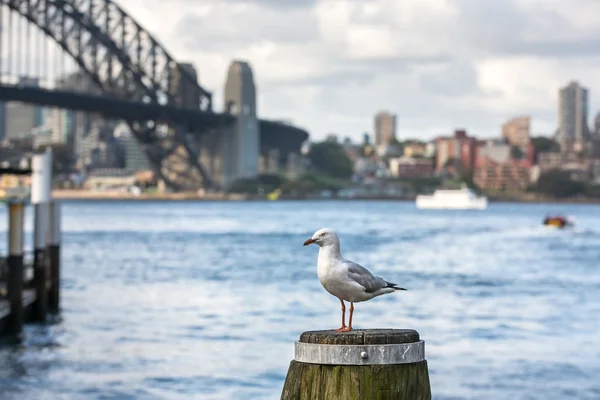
(85, 195)
(120, 196)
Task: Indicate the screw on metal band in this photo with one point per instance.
(373, 354)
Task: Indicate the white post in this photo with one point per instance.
(40, 197)
(48, 173)
(39, 172)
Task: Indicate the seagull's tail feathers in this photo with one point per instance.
(393, 286)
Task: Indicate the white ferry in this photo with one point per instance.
(452, 199)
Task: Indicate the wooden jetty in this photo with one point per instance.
(22, 301)
(358, 365)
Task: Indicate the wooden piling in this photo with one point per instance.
(358, 365)
(54, 257)
(16, 228)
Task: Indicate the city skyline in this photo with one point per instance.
(455, 65)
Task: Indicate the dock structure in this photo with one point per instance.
(22, 301)
(358, 365)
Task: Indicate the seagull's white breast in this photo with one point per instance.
(333, 275)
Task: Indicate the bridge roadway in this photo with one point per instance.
(273, 134)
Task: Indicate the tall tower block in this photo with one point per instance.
(241, 142)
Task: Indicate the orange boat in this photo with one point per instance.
(557, 221)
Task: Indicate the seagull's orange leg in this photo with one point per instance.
(351, 312)
(343, 328)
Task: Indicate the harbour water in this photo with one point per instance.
(203, 300)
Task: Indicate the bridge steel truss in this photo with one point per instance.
(126, 62)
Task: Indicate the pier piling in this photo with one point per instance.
(16, 223)
(41, 178)
(54, 257)
(358, 365)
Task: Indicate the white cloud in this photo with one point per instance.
(329, 65)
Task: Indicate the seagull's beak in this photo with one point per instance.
(309, 241)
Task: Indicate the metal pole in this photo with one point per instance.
(16, 221)
(40, 197)
(54, 256)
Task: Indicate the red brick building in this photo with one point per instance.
(507, 175)
(408, 167)
(459, 149)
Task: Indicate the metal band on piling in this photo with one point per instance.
(330, 354)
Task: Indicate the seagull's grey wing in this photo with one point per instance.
(364, 277)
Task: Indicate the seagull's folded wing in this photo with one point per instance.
(364, 277)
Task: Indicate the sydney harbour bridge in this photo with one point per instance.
(136, 80)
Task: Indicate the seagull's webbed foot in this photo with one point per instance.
(343, 329)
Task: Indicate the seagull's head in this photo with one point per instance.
(323, 237)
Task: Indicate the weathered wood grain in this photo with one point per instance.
(361, 336)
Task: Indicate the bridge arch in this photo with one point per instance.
(127, 62)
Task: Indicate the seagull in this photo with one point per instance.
(343, 278)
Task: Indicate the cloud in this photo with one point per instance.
(329, 65)
(268, 4)
(224, 27)
(546, 29)
(455, 78)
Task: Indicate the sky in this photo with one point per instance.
(439, 65)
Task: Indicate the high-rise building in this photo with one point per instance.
(98, 148)
(366, 139)
(60, 123)
(22, 118)
(90, 135)
(516, 131)
(594, 146)
(54, 130)
(573, 131)
(135, 158)
(385, 128)
(79, 123)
